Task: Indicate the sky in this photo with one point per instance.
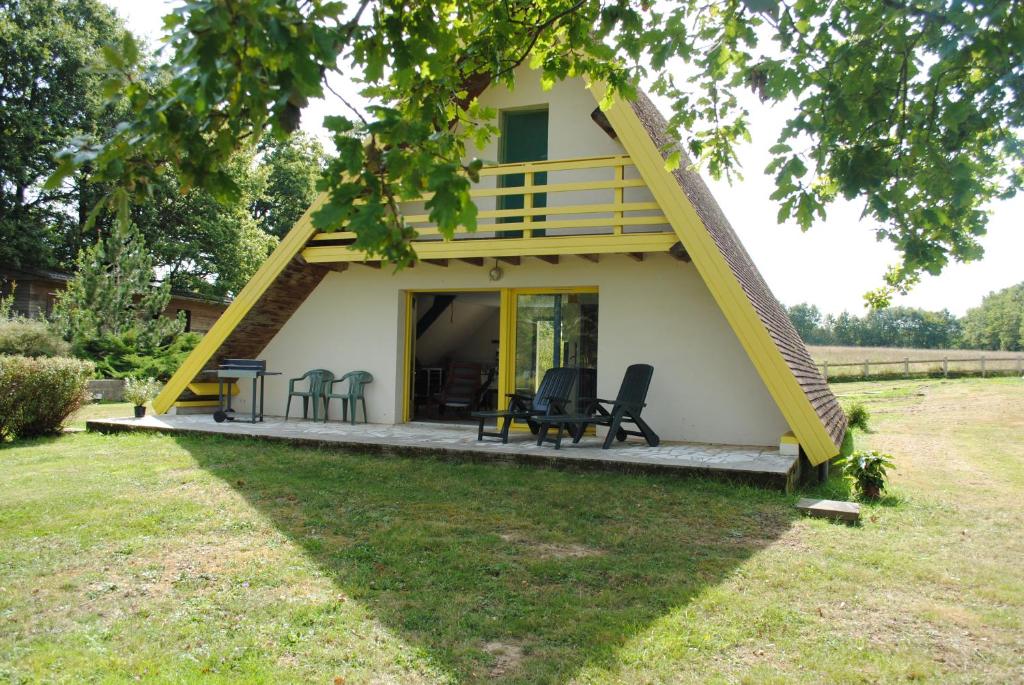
(831, 266)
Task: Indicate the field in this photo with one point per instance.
(996, 362)
(186, 560)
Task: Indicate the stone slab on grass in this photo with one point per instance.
(830, 509)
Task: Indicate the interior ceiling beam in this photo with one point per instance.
(549, 258)
(638, 256)
(475, 261)
(436, 262)
(510, 260)
(590, 257)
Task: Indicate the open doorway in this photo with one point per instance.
(455, 354)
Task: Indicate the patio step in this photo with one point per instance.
(829, 508)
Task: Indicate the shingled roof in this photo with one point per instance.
(771, 313)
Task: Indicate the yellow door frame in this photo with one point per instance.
(409, 317)
(506, 335)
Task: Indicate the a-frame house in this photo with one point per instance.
(589, 253)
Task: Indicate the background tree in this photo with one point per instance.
(292, 168)
(47, 97)
(203, 245)
(911, 106)
(113, 292)
(890, 327)
(998, 324)
(810, 324)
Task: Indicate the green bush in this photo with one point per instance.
(38, 394)
(125, 356)
(31, 338)
(858, 416)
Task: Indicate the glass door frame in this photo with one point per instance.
(506, 336)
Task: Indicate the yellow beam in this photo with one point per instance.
(268, 272)
(595, 208)
(211, 388)
(511, 247)
(721, 282)
(556, 165)
(656, 220)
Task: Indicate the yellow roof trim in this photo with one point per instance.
(782, 385)
(290, 246)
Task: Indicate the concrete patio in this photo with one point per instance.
(760, 465)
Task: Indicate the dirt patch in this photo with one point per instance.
(552, 550)
(508, 656)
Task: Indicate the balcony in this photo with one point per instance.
(584, 207)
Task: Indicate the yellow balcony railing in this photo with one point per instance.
(566, 205)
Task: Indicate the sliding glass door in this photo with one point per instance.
(554, 330)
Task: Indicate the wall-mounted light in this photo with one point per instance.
(496, 273)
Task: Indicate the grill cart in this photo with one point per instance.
(236, 370)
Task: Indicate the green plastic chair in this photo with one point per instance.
(357, 380)
(317, 385)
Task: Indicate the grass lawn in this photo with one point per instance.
(199, 559)
(101, 410)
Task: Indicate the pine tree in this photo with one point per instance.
(113, 295)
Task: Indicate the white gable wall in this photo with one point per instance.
(571, 134)
(657, 311)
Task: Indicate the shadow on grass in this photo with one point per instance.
(559, 568)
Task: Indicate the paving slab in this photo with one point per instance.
(829, 508)
(755, 464)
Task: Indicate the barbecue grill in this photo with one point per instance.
(236, 370)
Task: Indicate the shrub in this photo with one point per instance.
(138, 391)
(125, 356)
(31, 338)
(38, 394)
(868, 471)
(858, 416)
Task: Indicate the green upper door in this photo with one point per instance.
(524, 138)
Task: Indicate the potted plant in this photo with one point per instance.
(869, 471)
(138, 391)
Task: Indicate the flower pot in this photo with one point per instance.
(871, 491)
(140, 411)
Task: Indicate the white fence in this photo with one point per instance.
(958, 365)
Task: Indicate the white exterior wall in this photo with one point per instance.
(571, 134)
(657, 311)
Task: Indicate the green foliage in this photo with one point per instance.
(37, 395)
(857, 415)
(888, 327)
(911, 108)
(869, 471)
(292, 168)
(138, 391)
(48, 95)
(7, 301)
(809, 323)
(31, 338)
(998, 324)
(203, 245)
(126, 356)
(112, 293)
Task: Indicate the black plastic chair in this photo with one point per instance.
(552, 396)
(626, 408)
(461, 387)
